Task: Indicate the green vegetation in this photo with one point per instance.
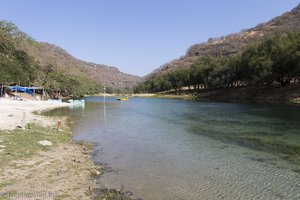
(284, 144)
(6, 183)
(119, 91)
(17, 67)
(22, 143)
(273, 61)
(56, 80)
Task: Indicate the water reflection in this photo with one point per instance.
(171, 149)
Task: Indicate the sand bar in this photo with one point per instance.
(12, 112)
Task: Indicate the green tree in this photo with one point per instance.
(285, 53)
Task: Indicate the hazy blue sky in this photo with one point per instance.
(136, 36)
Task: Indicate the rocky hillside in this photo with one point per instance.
(46, 53)
(234, 43)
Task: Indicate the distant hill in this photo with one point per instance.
(234, 43)
(25, 61)
(46, 53)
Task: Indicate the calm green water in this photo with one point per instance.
(172, 149)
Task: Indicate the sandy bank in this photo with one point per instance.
(144, 95)
(275, 94)
(61, 172)
(102, 94)
(31, 171)
(11, 112)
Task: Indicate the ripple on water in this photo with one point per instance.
(212, 174)
(157, 149)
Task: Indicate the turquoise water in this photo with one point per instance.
(174, 149)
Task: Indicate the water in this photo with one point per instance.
(173, 149)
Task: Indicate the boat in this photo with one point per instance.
(76, 102)
(55, 100)
(122, 99)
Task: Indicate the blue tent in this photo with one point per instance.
(28, 90)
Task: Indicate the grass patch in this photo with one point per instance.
(4, 184)
(7, 195)
(3, 197)
(22, 143)
(62, 196)
(284, 144)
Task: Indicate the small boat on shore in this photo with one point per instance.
(55, 100)
(122, 99)
(76, 102)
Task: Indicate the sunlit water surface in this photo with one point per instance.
(172, 149)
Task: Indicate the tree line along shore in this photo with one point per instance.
(273, 63)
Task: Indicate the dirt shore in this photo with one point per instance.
(274, 94)
(29, 170)
(290, 94)
(16, 113)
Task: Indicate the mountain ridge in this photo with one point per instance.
(233, 43)
(110, 76)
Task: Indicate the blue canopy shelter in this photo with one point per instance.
(29, 90)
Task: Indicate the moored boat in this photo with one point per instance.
(76, 102)
(122, 99)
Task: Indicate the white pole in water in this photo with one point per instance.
(104, 109)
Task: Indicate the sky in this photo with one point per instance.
(136, 36)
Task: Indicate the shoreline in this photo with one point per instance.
(30, 170)
(62, 170)
(289, 94)
(18, 113)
